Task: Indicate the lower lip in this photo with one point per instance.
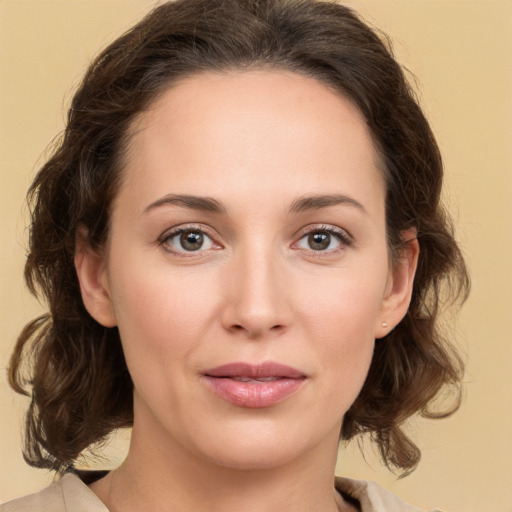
(252, 393)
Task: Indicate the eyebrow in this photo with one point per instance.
(210, 205)
(316, 202)
(205, 204)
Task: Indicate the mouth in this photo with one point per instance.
(254, 386)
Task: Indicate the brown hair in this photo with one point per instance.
(80, 386)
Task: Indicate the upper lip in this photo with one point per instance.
(255, 371)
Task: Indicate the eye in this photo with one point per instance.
(187, 240)
(324, 239)
(319, 241)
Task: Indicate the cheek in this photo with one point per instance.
(161, 312)
(340, 320)
(345, 305)
(162, 317)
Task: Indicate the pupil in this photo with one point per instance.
(192, 241)
(319, 241)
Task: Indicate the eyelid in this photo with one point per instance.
(177, 230)
(345, 238)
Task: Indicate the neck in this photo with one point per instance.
(161, 476)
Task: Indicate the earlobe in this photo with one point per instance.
(91, 271)
(400, 285)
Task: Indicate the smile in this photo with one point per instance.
(254, 386)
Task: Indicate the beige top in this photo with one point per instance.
(70, 494)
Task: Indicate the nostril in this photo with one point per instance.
(256, 332)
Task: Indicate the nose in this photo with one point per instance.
(256, 300)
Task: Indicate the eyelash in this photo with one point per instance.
(339, 234)
(164, 240)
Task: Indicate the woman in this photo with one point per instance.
(242, 247)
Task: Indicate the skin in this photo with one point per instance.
(257, 290)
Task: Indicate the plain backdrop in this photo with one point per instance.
(461, 54)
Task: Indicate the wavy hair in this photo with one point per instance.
(73, 368)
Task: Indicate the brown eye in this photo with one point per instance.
(191, 240)
(329, 240)
(319, 240)
(187, 240)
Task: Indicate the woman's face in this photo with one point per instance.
(247, 267)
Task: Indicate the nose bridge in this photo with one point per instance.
(256, 295)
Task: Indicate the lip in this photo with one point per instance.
(254, 386)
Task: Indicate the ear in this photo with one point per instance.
(91, 269)
(397, 296)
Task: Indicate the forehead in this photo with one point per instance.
(260, 128)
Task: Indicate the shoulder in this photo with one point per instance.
(50, 498)
(68, 494)
(373, 497)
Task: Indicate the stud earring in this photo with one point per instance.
(384, 324)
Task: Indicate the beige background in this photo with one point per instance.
(461, 53)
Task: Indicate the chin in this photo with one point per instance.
(263, 445)
(253, 456)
